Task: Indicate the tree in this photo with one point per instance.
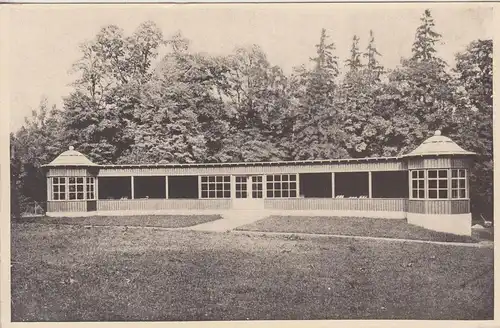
(142, 49)
(419, 96)
(180, 116)
(166, 127)
(37, 142)
(98, 116)
(425, 39)
(363, 120)
(373, 67)
(317, 131)
(474, 119)
(354, 62)
(258, 101)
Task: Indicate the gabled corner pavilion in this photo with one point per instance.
(428, 187)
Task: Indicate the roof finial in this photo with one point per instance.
(437, 133)
(71, 148)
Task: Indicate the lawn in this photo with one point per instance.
(69, 273)
(163, 221)
(351, 226)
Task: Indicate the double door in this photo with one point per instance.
(248, 192)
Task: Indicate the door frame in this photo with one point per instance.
(248, 202)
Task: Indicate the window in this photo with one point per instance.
(241, 187)
(91, 188)
(418, 184)
(58, 188)
(256, 186)
(281, 185)
(216, 186)
(458, 183)
(75, 187)
(438, 184)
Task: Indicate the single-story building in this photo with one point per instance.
(428, 187)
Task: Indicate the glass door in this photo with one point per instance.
(248, 193)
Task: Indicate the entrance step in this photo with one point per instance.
(231, 220)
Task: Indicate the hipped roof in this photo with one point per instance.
(438, 145)
(71, 157)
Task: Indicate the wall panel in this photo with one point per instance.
(439, 206)
(67, 206)
(67, 172)
(162, 204)
(337, 204)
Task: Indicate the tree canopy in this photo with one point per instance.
(131, 105)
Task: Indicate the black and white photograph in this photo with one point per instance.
(248, 162)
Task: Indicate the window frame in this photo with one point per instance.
(272, 191)
(257, 182)
(459, 178)
(418, 178)
(449, 178)
(71, 186)
(438, 188)
(58, 184)
(212, 185)
(241, 187)
(90, 188)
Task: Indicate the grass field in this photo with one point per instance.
(389, 228)
(162, 221)
(69, 273)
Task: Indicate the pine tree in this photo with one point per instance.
(362, 122)
(354, 62)
(317, 131)
(425, 39)
(373, 66)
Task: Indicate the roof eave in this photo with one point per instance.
(439, 154)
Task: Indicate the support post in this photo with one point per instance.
(166, 187)
(264, 186)
(49, 189)
(426, 184)
(467, 184)
(369, 184)
(448, 183)
(297, 179)
(132, 186)
(85, 188)
(96, 188)
(233, 186)
(410, 185)
(199, 186)
(333, 184)
(249, 187)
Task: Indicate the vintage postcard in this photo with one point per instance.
(258, 163)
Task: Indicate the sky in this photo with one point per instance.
(42, 40)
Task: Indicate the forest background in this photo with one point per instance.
(129, 106)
